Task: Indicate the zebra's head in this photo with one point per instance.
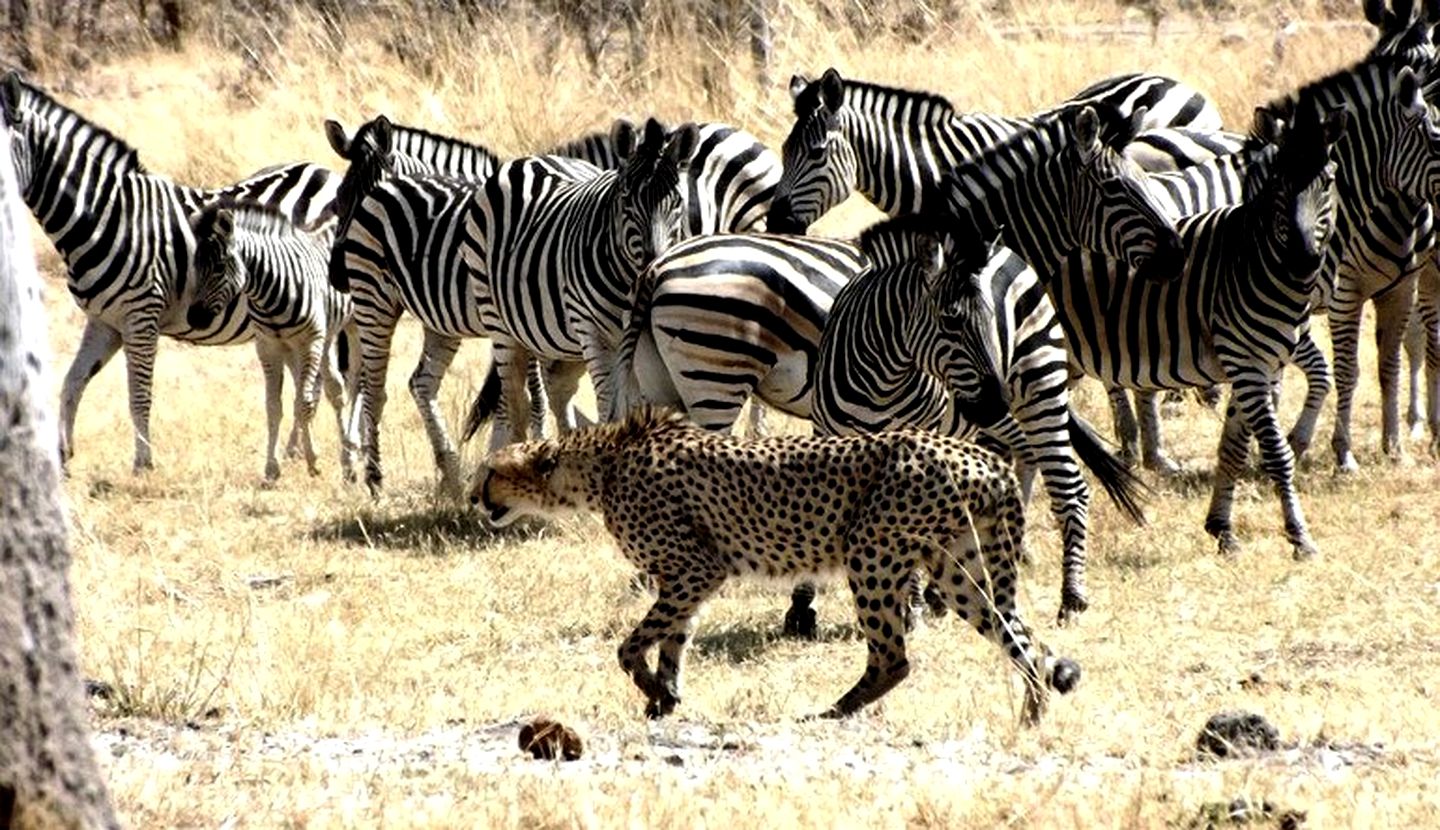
(1404, 28)
(12, 97)
(1300, 193)
(1409, 163)
(1111, 208)
(219, 274)
(820, 165)
(962, 305)
(651, 205)
(46, 135)
(372, 158)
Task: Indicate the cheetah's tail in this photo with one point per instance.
(1125, 488)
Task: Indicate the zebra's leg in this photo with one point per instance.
(1046, 447)
(1427, 309)
(511, 362)
(272, 369)
(337, 391)
(1344, 336)
(435, 358)
(1151, 444)
(98, 343)
(1127, 430)
(307, 395)
(375, 339)
(1233, 455)
(1415, 363)
(562, 383)
(1392, 317)
(800, 619)
(1278, 462)
(535, 382)
(142, 336)
(1311, 360)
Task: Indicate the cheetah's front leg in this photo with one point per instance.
(880, 600)
(670, 622)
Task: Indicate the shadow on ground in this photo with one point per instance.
(745, 641)
(432, 531)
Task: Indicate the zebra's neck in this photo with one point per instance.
(905, 141)
(1021, 194)
(434, 154)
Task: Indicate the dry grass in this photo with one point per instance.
(376, 684)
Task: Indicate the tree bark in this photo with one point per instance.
(48, 774)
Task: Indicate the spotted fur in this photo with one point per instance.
(694, 508)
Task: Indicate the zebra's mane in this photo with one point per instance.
(45, 106)
(1312, 95)
(865, 96)
(250, 216)
(897, 241)
(1115, 133)
(404, 134)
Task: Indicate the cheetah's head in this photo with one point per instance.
(535, 478)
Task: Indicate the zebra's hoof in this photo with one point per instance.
(1162, 466)
(1299, 445)
(1065, 675)
(1071, 607)
(801, 624)
(1345, 463)
(1305, 551)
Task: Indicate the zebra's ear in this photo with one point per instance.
(339, 140)
(1409, 90)
(1430, 12)
(1087, 132)
(832, 89)
(1267, 126)
(224, 227)
(798, 83)
(382, 132)
(996, 245)
(1134, 127)
(622, 137)
(1375, 12)
(654, 134)
(10, 98)
(681, 145)
(1333, 124)
(1404, 11)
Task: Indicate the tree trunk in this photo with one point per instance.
(48, 775)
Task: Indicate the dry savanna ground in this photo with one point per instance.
(307, 656)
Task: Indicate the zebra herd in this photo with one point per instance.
(1121, 234)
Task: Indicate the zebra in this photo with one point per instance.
(890, 357)
(398, 244)
(299, 320)
(560, 245)
(892, 145)
(1236, 315)
(126, 241)
(718, 319)
(1407, 31)
(1100, 190)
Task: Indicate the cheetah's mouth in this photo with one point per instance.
(498, 514)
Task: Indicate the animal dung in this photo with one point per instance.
(547, 740)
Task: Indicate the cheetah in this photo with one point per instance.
(693, 508)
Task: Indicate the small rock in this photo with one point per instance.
(547, 740)
(1231, 734)
(98, 688)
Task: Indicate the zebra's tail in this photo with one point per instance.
(627, 387)
(1124, 487)
(487, 401)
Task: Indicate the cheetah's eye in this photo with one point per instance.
(545, 466)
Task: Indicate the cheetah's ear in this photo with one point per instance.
(339, 140)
